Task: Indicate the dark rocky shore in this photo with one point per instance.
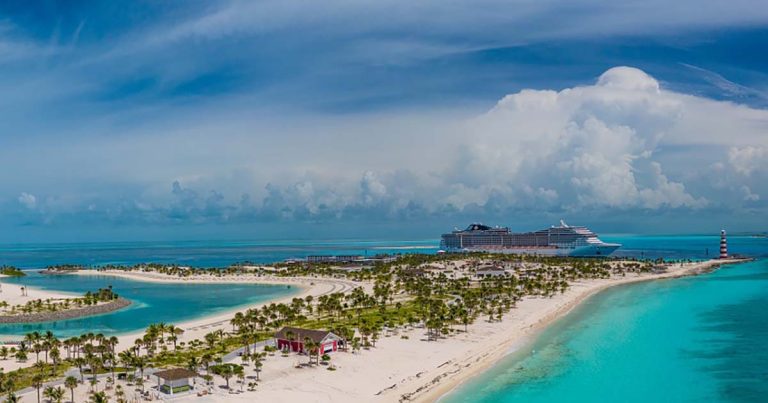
(67, 314)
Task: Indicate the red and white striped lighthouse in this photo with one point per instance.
(723, 245)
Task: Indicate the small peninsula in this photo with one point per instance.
(101, 301)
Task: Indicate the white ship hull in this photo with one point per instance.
(581, 251)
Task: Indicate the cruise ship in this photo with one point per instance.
(561, 240)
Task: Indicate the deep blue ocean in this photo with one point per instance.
(197, 253)
(696, 339)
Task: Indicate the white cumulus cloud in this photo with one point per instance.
(748, 159)
(593, 145)
(28, 200)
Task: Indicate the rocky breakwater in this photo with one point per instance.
(65, 314)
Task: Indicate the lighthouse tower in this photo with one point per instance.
(723, 245)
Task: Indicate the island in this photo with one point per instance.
(384, 329)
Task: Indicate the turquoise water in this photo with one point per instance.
(694, 339)
(152, 302)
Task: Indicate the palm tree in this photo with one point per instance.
(99, 397)
(21, 355)
(109, 357)
(239, 372)
(55, 357)
(225, 371)
(210, 339)
(140, 382)
(71, 384)
(119, 393)
(37, 383)
(290, 336)
(205, 360)
(9, 383)
(95, 363)
(49, 341)
(32, 338)
(54, 394)
(177, 332)
(140, 363)
(80, 362)
(113, 341)
(193, 363)
(126, 357)
(257, 359)
(311, 347)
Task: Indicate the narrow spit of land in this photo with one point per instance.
(69, 313)
(21, 304)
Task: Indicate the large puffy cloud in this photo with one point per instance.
(592, 145)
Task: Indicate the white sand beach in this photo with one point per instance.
(399, 368)
(11, 293)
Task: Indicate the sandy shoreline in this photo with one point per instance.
(402, 366)
(11, 293)
(575, 295)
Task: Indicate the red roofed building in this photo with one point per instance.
(292, 339)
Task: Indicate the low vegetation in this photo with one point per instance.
(101, 295)
(11, 271)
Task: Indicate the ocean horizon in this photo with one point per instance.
(220, 253)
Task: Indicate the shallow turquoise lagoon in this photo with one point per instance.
(698, 339)
(152, 302)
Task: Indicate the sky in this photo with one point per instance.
(175, 120)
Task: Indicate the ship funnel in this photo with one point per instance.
(563, 224)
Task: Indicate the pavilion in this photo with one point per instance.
(175, 380)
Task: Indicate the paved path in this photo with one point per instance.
(258, 345)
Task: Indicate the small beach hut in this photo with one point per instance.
(292, 338)
(175, 380)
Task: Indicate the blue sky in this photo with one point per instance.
(254, 119)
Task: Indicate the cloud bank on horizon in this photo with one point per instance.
(197, 122)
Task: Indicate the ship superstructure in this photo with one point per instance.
(561, 240)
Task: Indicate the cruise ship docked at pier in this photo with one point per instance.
(562, 240)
